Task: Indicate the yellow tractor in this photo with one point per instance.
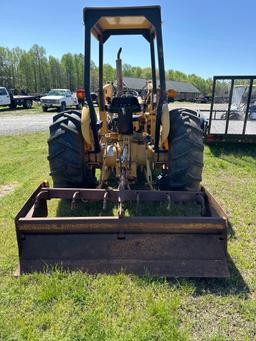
(107, 156)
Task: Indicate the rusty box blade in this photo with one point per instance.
(159, 245)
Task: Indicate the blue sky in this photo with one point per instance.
(200, 36)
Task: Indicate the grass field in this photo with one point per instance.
(76, 306)
(36, 109)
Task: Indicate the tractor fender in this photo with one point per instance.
(165, 121)
(85, 126)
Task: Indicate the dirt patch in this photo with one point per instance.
(6, 189)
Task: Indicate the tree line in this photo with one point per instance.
(35, 72)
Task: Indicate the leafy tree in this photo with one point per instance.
(26, 72)
(34, 71)
(79, 69)
(146, 73)
(40, 66)
(55, 72)
(67, 62)
(109, 73)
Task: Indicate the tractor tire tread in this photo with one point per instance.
(185, 153)
(66, 152)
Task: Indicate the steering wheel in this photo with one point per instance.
(127, 93)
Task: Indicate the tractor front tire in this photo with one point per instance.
(185, 151)
(68, 166)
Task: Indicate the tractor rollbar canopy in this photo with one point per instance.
(103, 22)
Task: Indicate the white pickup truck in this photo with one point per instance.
(60, 99)
(8, 99)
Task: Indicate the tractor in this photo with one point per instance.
(108, 155)
(128, 135)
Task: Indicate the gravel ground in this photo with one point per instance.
(16, 123)
(10, 124)
(192, 106)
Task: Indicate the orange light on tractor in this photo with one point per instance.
(171, 93)
(80, 94)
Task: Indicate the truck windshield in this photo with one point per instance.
(57, 93)
(3, 92)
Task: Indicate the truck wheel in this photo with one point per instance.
(62, 107)
(45, 109)
(68, 166)
(185, 152)
(27, 104)
(13, 105)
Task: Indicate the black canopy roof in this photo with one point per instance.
(106, 21)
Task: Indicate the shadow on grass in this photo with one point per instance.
(231, 232)
(235, 285)
(233, 149)
(83, 209)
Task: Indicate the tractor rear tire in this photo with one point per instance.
(185, 152)
(68, 166)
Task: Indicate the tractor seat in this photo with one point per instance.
(130, 102)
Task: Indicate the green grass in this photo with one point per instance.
(77, 306)
(36, 109)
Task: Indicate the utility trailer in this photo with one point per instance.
(234, 119)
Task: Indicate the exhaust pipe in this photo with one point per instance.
(119, 71)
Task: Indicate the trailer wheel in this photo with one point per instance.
(232, 116)
(185, 152)
(27, 104)
(68, 166)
